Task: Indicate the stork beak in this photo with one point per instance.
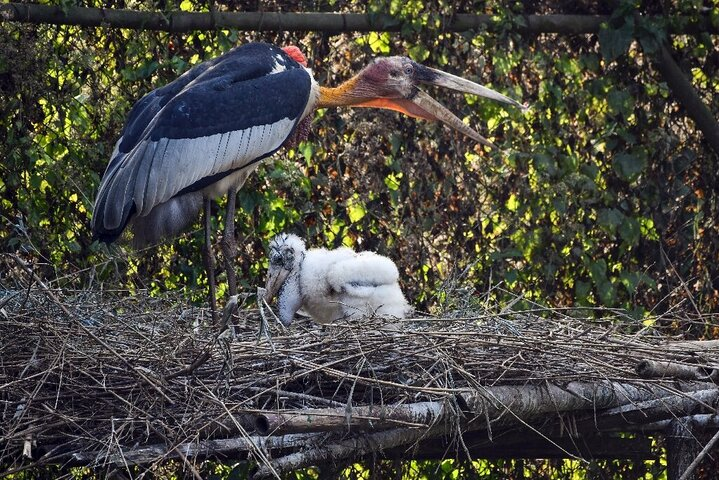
(447, 80)
(433, 110)
(275, 278)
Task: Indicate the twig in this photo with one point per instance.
(86, 330)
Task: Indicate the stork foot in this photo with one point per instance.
(228, 311)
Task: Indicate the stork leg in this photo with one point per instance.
(229, 244)
(210, 261)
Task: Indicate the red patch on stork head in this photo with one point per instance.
(296, 55)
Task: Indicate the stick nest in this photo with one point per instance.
(82, 371)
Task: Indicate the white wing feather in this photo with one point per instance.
(361, 274)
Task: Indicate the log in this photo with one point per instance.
(355, 447)
(224, 448)
(704, 421)
(630, 417)
(315, 21)
(654, 369)
(379, 417)
(507, 405)
(524, 402)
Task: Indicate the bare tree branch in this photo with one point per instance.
(307, 21)
(687, 96)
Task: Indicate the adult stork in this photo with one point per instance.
(201, 135)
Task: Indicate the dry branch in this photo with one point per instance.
(654, 369)
(221, 448)
(312, 21)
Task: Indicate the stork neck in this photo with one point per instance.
(351, 92)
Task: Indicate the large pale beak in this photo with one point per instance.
(421, 105)
(275, 278)
(435, 110)
(447, 80)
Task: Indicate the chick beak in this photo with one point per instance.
(275, 278)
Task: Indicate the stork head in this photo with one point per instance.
(393, 83)
(286, 254)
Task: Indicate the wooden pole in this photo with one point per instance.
(682, 449)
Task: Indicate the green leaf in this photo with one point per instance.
(610, 218)
(615, 42)
(305, 148)
(355, 210)
(607, 293)
(630, 231)
(582, 289)
(512, 203)
(630, 280)
(651, 34)
(598, 271)
(628, 166)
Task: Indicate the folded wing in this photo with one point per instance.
(216, 119)
(361, 274)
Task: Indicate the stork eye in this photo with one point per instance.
(288, 257)
(408, 69)
(275, 258)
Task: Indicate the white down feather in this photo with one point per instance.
(333, 285)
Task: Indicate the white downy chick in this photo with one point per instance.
(332, 285)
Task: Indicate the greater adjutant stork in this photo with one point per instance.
(201, 135)
(332, 285)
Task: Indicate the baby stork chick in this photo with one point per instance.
(332, 285)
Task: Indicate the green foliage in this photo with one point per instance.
(602, 195)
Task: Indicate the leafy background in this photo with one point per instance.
(604, 194)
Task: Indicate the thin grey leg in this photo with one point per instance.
(229, 244)
(210, 261)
